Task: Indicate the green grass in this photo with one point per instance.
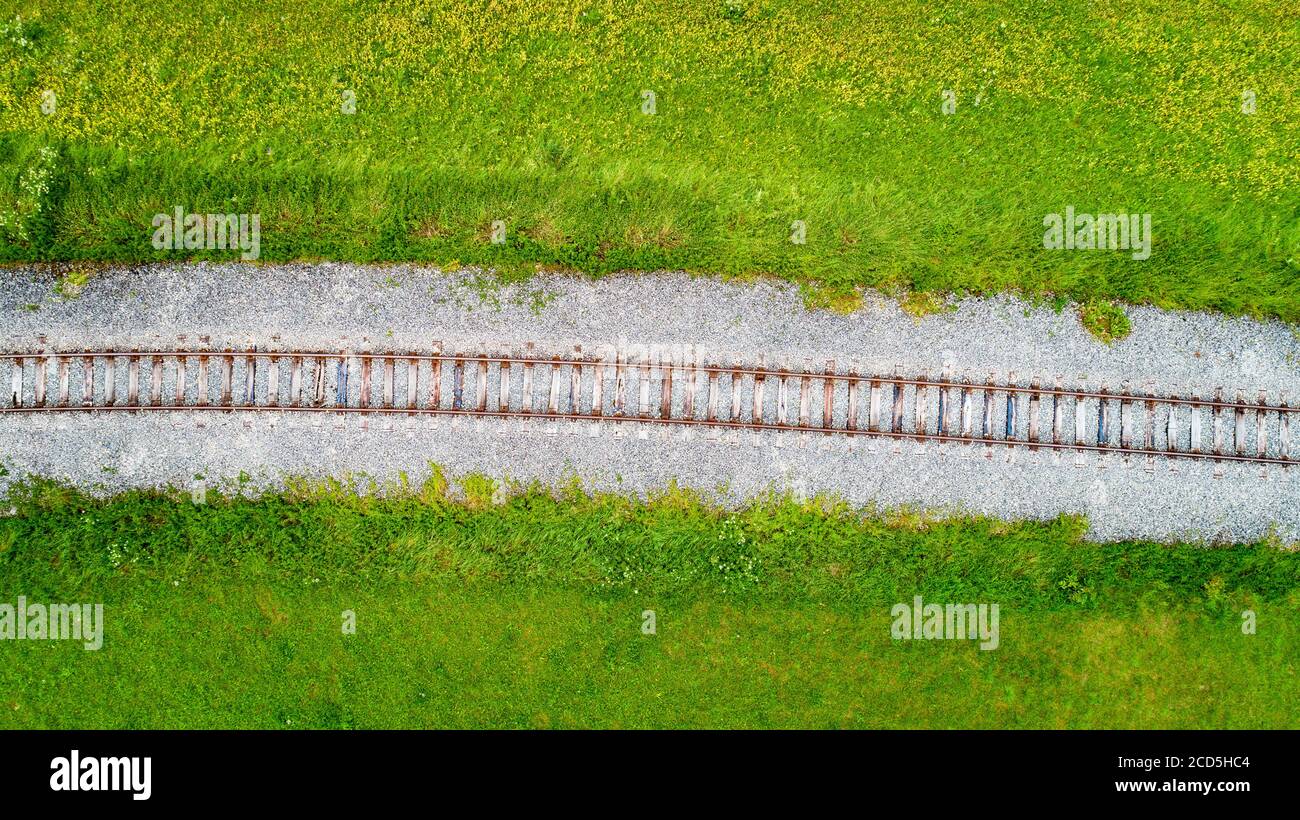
(1105, 320)
(767, 112)
(529, 613)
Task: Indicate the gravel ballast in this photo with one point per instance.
(402, 309)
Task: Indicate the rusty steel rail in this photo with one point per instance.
(583, 387)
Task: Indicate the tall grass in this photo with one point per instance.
(766, 113)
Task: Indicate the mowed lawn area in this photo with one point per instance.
(533, 613)
(404, 130)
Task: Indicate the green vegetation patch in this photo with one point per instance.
(695, 134)
(1105, 320)
(528, 608)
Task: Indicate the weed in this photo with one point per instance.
(1106, 321)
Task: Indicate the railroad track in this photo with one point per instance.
(1030, 413)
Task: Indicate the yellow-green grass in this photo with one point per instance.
(531, 613)
(767, 112)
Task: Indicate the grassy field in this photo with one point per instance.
(765, 112)
(530, 614)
